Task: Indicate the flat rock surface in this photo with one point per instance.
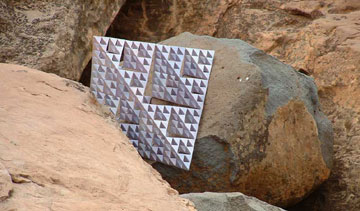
(62, 154)
(235, 201)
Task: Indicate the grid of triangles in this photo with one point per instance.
(119, 76)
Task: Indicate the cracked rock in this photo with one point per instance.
(6, 185)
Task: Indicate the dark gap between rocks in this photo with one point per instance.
(143, 22)
(86, 75)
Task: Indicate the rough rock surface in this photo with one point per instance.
(262, 131)
(321, 38)
(236, 201)
(53, 36)
(62, 154)
(6, 186)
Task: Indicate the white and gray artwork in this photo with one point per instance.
(119, 76)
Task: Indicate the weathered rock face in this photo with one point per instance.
(53, 36)
(319, 37)
(153, 20)
(5, 183)
(228, 202)
(262, 131)
(62, 154)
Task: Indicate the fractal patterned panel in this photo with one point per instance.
(120, 73)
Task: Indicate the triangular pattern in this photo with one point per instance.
(119, 76)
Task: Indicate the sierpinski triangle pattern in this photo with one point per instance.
(119, 77)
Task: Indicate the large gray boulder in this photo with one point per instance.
(262, 132)
(236, 201)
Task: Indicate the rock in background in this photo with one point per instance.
(228, 202)
(320, 38)
(262, 132)
(53, 36)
